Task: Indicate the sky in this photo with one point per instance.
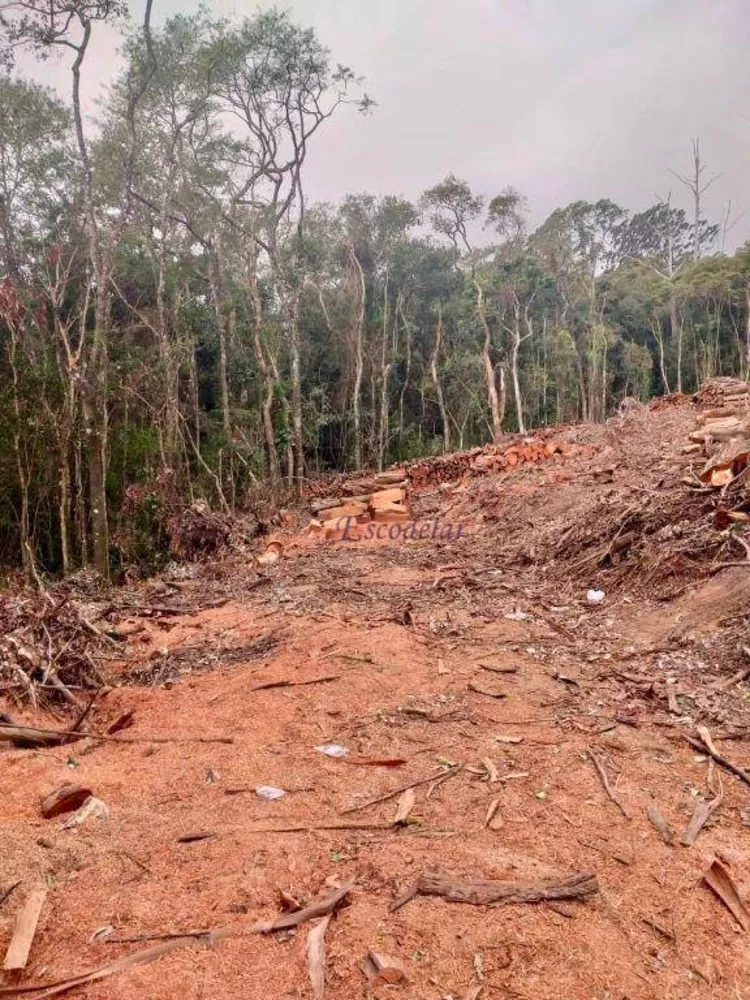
(561, 99)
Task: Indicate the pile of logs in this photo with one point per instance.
(723, 391)
(722, 434)
(491, 458)
(382, 499)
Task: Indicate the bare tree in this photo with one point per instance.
(697, 185)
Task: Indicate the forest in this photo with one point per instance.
(179, 322)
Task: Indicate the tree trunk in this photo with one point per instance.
(493, 401)
(94, 398)
(515, 347)
(385, 372)
(269, 382)
(358, 360)
(297, 429)
(407, 373)
(676, 330)
(436, 381)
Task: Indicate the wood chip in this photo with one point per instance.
(493, 819)
(383, 968)
(17, 954)
(405, 805)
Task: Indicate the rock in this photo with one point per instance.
(92, 808)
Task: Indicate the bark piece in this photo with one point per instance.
(17, 954)
(316, 957)
(487, 692)
(718, 879)
(383, 968)
(66, 798)
(701, 815)
(657, 820)
(482, 892)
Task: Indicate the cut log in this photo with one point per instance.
(391, 478)
(384, 497)
(349, 509)
(728, 462)
(391, 513)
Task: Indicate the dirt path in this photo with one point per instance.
(414, 636)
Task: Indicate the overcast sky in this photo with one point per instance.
(563, 99)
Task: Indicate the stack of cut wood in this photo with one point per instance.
(382, 498)
(723, 391)
(491, 458)
(723, 431)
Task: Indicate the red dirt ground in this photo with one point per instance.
(408, 627)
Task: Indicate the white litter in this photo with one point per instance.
(595, 596)
(269, 792)
(332, 750)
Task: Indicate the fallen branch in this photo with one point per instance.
(611, 793)
(33, 735)
(705, 746)
(481, 892)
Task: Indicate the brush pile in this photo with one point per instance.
(48, 649)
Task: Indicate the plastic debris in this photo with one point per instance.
(332, 750)
(269, 792)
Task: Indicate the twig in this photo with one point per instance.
(402, 788)
(268, 685)
(611, 793)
